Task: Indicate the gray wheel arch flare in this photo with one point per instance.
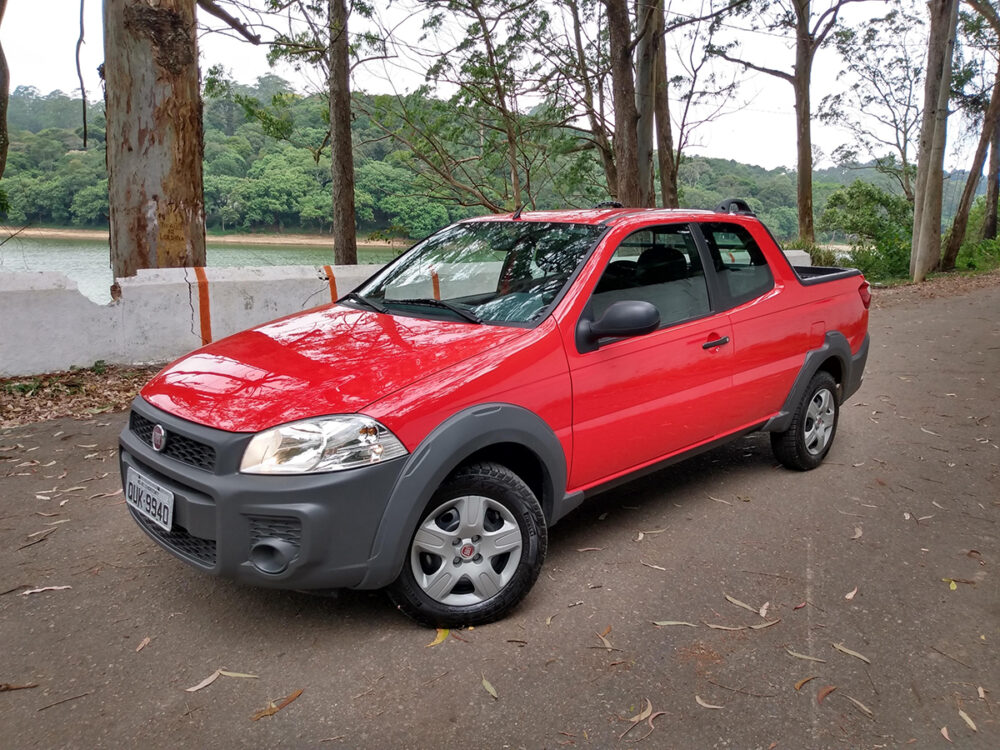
(447, 446)
(851, 369)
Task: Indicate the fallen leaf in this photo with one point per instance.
(797, 655)
(907, 516)
(763, 610)
(968, 720)
(604, 640)
(944, 733)
(607, 631)
(952, 585)
(6, 686)
(220, 672)
(763, 625)
(982, 693)
(591, 549)
(724, 627)
(726, 502)
(574, 604)
(823, 692)
(703, 704)
(850, 594)
(650, 565)
(550, 618)
(490, 689)
(804, 680)
(669, 623)
(204, 683)
(857, 532)
(844, 650)
(738, 603)
(271, 709)
(862, 706)
(924, 429)
(142, 644)
(44, 588)
(644, 714)
(799, 606)
(442, 634)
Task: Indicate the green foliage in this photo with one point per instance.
(976, 253)
(878, 226)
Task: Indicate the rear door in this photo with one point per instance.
(637, 400)
(770, 337)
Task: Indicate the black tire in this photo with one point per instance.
(476, 551)
(804, 445)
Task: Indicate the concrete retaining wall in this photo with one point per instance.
(47, 325)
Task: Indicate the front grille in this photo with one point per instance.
(275, 527)
(179, 540)
(179, 447)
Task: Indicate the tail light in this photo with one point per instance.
(866, 295)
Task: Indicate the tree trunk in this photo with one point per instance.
(645, 84)
(345, 245)
(926, 246)
(597, 129)
(623, 90)
(992, 187)
(804, 53)
(154, 135)
(961, 221)
(4, 98)
(664, 128)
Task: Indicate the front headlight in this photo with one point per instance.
(321, 444)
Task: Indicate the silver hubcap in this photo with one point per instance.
(820, 419)
(465, 551)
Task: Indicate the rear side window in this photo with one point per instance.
(742, 268)
(659, 265)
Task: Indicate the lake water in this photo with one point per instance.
(88, 262)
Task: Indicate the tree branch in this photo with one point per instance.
(759, 68)
(210, 7)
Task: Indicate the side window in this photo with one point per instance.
(661, 266)
(742, 268)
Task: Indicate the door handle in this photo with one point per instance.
(718, 342)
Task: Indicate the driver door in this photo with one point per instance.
(638, 400)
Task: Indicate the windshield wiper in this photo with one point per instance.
(355, 297)
(431, 302)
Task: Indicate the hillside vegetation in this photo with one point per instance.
(267, 169)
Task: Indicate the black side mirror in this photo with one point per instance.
(621, 320)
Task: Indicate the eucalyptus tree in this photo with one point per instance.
(983, 31)
(809, 28)
(925, 251)
(880, 104)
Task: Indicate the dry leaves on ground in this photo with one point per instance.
(78, 393)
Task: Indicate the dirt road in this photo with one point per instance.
(875, 575)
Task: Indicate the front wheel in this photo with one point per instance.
(806, 442)
(476, 551)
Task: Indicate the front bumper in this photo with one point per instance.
(323, 525)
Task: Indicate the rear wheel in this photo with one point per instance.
(476, 551)
(806, 442)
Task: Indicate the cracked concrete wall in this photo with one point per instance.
(47, 325)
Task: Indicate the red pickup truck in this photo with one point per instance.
(425, 431)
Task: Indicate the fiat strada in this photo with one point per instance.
(424, 432)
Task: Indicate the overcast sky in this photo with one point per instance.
(41, 53)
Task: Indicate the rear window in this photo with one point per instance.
(741, 266)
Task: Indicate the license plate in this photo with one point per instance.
(149, 499)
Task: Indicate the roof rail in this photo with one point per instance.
(734, 206)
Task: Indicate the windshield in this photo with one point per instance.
(489, 272)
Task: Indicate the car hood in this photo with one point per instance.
(332, 360)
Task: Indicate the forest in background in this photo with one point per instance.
(267, 169)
